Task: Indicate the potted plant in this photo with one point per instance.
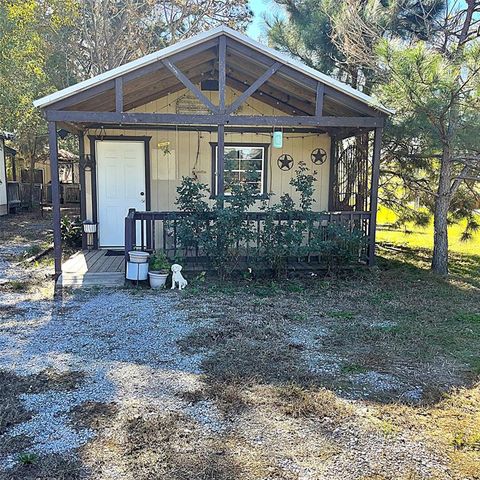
(159, 269)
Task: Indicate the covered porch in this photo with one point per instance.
(181, 112)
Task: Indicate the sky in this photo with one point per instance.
(257, 29)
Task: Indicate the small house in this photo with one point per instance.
(212, 106)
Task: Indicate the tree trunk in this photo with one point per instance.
(440, 222)
(32, 181)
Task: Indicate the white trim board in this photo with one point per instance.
(198, 39)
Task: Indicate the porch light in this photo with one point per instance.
(62, 133)
(86, 162)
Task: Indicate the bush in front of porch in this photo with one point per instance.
(223, 233)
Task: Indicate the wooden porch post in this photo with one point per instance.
(332, 172)
(372, 227)
(57, 237)
(222, 68)
(221, 163)
(83, 193)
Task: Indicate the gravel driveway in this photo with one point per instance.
(124, 346)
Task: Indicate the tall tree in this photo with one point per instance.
(113, 32)
(434, 148)
(427, 68)
(29, 69)
(338, 37)
(46, 45)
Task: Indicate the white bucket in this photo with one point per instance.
(138, 257)
(137, 271)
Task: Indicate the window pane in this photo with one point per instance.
(251, 153)
(251, 164)
(250, 177)
(231, 152)
(231, 164)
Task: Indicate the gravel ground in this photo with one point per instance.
(18, 234)
(124, 343)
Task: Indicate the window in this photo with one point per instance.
(242, 164)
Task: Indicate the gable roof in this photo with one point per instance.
(196, 40)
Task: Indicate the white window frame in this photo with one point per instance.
(243, 146)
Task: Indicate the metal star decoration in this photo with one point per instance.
(285, 162)
(318, 156)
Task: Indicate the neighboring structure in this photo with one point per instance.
(209, 106)
(3, 171)
(19, 182)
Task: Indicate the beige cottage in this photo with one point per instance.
(209, 107)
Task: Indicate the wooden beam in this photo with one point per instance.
(262, 59)
(57, 236)
(319, 99)
(349, 102)
(222, 76)
(83, 192)
(162, 84)
(277, 85)
(198, 119)
(253, 88)
(148, 97)
(119, 94)
(302, 80)
(207, 128)
(332, 170)
(221, 163)
(158, 65)
(161, 72)
(193, 88)
(372, 226)
(267, 98)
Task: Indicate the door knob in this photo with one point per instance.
(142, 194)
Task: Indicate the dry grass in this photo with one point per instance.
(401, 323)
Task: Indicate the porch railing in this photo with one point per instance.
(149, 231)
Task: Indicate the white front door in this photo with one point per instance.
(120, 186)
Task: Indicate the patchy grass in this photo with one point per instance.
(29, 465)
(403, 341)
(373, 375)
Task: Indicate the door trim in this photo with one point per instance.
(130, 138)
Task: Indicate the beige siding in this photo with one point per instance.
(191, 151)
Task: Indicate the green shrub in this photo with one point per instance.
(159, 262)
(221, 239)
(221, 232)
(71, 231)
(337, 245)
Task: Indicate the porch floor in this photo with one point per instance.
(93, 268)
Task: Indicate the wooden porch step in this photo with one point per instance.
(82, 280)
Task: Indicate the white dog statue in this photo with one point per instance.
(177, 277)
